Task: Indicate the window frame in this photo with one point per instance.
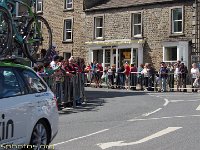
(95, 27)
(36, 7)
(65, 31)
(66, 3)
(173, 21)
(133, 24)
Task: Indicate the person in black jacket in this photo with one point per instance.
(183, 76)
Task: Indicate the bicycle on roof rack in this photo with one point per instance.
(30, 31)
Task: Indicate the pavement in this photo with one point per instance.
(131, 120)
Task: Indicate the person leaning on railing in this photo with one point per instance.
(133, 77)
(170, 68)
(194, 76)
(183, 76)
(140, 77)
(163, 76)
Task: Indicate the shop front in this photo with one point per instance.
(116, 52)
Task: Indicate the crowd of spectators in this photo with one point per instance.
(145, 77)
(58, 66)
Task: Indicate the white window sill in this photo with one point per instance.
(68, 9)
(98, 38)
(137, 36)
(67, 41)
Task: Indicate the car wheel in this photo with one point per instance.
(40, 138)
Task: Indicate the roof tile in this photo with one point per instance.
(106, 4)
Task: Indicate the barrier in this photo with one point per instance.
(69, 90)
(152, 82)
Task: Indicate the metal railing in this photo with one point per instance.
(153, 82)
(69, 90)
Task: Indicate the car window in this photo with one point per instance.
(9, 85)
(34, 82)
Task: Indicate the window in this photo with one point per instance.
(35, 84)
(68, 4)
(99, 27)
(107, 58)
(9, 85)
(137, 25)
(170, 54)
(39, 6)
(177, 20)
(67, 30)
(66, 55)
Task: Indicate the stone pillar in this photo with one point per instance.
(111, 57)
(104, 59)
(131, 62)
(140, 55)
(183, 52)
(91, 59)
(117, 60)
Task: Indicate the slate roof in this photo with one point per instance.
(107, 4)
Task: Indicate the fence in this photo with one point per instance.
(153, 82)
(69, 90)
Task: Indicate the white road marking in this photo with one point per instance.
(153, 112)
(176, 101)
(198, 108)
(163, 118)
(78, 138)
(166, 102)
(166, 95)
(156, 135)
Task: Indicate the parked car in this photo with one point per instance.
(28, 109)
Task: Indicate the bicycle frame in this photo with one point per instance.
(16, 34)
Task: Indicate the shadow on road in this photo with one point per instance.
(96, 98)
(93, 94)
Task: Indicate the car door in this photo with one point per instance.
(40, 98)
(13, 113)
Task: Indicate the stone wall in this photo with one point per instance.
(55, 14)
(156, 27)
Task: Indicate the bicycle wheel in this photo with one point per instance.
(38, 38)
(5, 32)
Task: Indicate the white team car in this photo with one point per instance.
(28, 109)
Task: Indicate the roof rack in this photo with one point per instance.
(16, 60)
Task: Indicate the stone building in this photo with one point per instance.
(67, 21)
(140, 31)
(116, 31)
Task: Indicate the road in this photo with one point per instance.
(127, 120)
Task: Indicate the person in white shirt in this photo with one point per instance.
(54, 63)
(195, 76)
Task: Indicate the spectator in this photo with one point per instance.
(110, 76)
(40, 71)
(151, 75)
(47, 69)
(95, 76)
(140, 76)
(145, 73)
(170, 68)
(183, 76)
(127, 75)
(195, 75)
(133, 76)
(163, 76)
(54, 63)
(120, 77)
